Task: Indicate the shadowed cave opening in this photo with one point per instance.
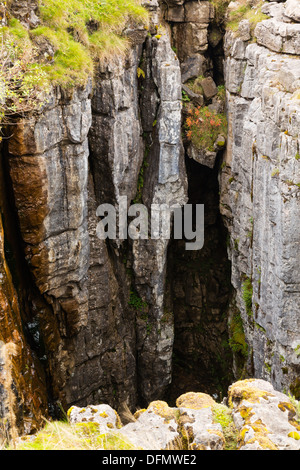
(199, 289)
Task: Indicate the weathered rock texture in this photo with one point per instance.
(257, 417)
(103, 317)
(260, 190)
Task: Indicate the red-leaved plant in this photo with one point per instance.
(203, 127)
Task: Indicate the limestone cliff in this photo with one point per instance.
(260, 188)
(132, 321)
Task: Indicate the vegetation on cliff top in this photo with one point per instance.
(72, 35)
(82, 31)
(246, 11)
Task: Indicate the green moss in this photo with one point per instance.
(136, 302)
(195, 85)
(247, 290)
(268, 367)
(223, 415)
(237, 340)
(259, 327)
(222, 93)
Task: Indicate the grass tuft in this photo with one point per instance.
(60, 435)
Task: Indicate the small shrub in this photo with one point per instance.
(204, 126)
(23, 81)
(136, 302)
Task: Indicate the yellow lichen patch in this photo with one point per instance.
(245, 412)
(195, 446)
(70, 411)
(118, 420)
(264, 442)
(243, 433)
(260, 434)
(187, 437)
(259, 427)
(294, 435)
(292, 412)
(295, 424)
(217, 433)
(195, 401)
(104, 415)
(283, 406)
(242, 390)
(138, 413)
(162, 409)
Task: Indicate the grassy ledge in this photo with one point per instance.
(73, 35)
(245, 11)
(82, 32)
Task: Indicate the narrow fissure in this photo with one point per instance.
(200, 289)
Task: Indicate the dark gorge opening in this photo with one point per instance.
(199, 288)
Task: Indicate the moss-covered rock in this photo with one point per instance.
(264, 417)
(195, 401)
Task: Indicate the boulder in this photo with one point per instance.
(197, 424)
(105, 416)
(155, 428)
(266, 418)
(292, 10)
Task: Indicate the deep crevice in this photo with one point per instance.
(201, 290)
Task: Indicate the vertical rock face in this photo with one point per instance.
(116, 143)
(18, 366)
(260, 190)
(105, 317)
(164, 183)
(96, 347)
(48, 161)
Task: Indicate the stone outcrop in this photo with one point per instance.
(266, 418)
(261, 418)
